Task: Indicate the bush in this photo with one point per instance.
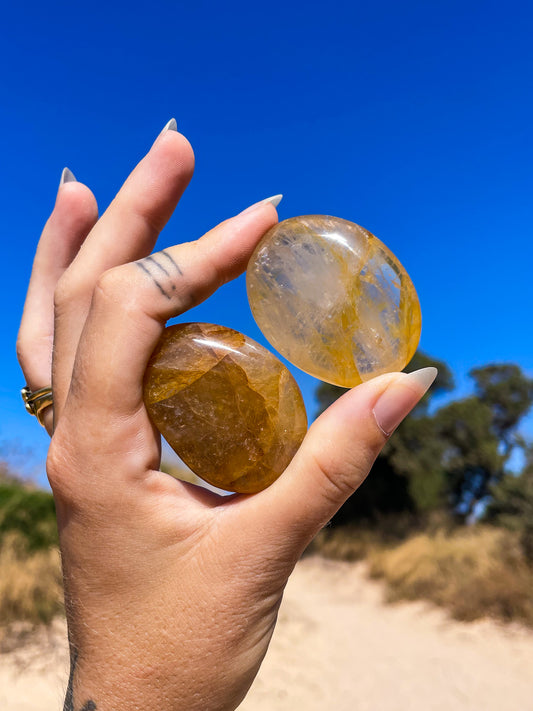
(30, 569)
(30, 513)
(30, 583)
(473, 573)
(350, 543)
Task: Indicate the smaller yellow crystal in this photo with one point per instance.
(228, 407)
(333, 299)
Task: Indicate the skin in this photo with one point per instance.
(171, 592)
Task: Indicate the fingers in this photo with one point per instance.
(131, 304)
(334, 459)
(75, 212)
(131, 225)
(127, 231)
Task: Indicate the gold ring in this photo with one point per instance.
(36, 402)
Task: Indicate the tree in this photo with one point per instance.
(481, 431)
(470, 453)
(509, 394)
(416, 453)
(511, 504)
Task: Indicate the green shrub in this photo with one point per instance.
(29, 513)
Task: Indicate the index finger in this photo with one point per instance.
(131, 304)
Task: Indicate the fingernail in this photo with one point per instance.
(274, 200)
(67, 176)
(171, 126)
(400, 397)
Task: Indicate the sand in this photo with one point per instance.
(337, 646)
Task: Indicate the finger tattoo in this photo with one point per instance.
(162, 270)
(172, 262)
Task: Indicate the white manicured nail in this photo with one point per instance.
(274, 200)
(400, 397)
(171, 126)
(67, 176)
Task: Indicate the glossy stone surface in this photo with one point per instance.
(333, 299)
(228, 407)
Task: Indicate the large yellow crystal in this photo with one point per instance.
(229, 408)
(333, 299)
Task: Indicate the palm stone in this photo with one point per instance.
(333, 299)
(228, 407)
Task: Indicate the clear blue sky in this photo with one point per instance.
(413, 119)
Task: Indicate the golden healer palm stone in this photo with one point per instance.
(229, 408)
(333, 299)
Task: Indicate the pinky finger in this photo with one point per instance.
(74, 214)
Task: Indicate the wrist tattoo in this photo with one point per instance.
(161, 268)
(69, 696)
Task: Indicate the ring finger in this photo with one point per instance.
(74, 214)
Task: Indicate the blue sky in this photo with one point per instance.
(412, 119)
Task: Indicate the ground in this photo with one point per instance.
(337, 646)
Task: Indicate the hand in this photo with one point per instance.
(171, 591)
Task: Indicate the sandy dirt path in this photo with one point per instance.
(338, 647)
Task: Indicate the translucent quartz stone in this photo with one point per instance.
(228, 407)
(333, 299)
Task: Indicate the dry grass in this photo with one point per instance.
(345, 543)
(474, 573)
(356, 541)
(30, 587)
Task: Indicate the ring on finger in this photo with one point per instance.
(36, 402)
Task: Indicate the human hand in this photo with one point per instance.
(171, 591)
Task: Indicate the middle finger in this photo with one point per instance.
(127, 231)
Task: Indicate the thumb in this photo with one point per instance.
(337, 454)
